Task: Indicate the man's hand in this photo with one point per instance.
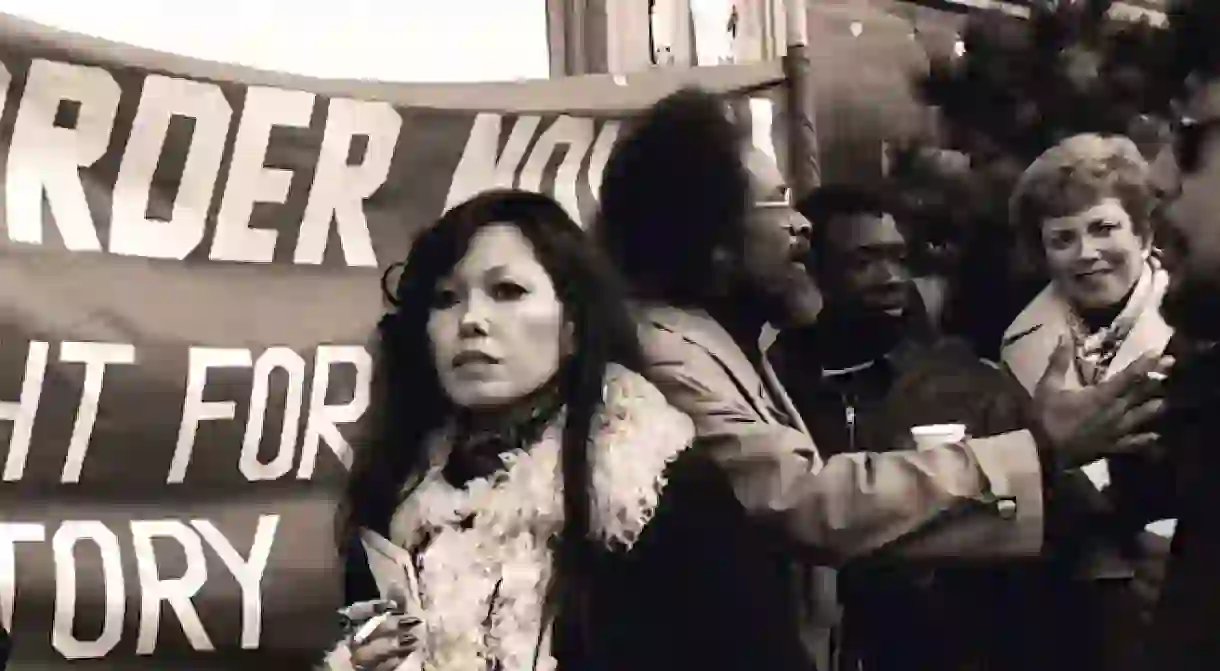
(1079, 426)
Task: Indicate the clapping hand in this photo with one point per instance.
(1079, 426)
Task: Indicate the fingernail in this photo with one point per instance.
(383, 606)
(409, 621)
(407, 639)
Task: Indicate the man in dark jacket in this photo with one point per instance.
(871, 369)
(1186, 620)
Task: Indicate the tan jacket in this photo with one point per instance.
(978, 499)
(1033, 335)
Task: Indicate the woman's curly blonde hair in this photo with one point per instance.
(1077, 173)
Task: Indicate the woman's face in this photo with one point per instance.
(1094, 256)
(497, 327)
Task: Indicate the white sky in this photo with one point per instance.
(390, 40)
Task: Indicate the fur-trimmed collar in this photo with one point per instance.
(635, 436)
(483, 552)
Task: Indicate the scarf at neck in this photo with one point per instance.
(479, 443)
(1096, 349)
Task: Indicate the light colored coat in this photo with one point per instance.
(1033, 335)
(505, 552)
(979, 499)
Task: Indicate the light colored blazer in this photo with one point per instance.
(1033, 335)
(980, 499)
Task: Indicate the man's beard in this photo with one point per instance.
(787, 302)
(798, 306)
(1192, 308)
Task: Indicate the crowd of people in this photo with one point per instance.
(603, 467)
(730, 427)
(595, 460)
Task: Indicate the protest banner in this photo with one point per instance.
(190, 260)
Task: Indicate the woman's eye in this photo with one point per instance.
(507, 291)
(444, 298)
(1059, 241)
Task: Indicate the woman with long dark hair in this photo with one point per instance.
(513, 455)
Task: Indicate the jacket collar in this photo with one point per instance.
(759, 384)
(1032, 337)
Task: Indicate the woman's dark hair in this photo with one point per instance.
(408, 402)
(673, 189)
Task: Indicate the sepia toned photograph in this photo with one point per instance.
(610, 335)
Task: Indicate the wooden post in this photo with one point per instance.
(803, 172)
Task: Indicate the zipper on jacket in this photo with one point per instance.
(849, 418)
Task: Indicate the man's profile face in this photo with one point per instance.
(1188, 225)
(864, 265)
(774, 246)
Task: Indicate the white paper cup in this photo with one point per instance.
(935, 435)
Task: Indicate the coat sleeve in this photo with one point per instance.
(980, 499)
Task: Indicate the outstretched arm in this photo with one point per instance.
(974, 500)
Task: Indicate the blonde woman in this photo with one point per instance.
(1085, 207)
(1084, 211)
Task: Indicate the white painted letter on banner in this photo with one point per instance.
(290, 362)
(176, 592)
(247, 572)
(577, 135)
(46, 158)
(339, 189)
(96, 356)
(12, 533)
(601, 154)
(23, 411)
(195, 409)
(66, 577)
(132, 233)
(250, 180)
(322, 424)
(483, 165)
